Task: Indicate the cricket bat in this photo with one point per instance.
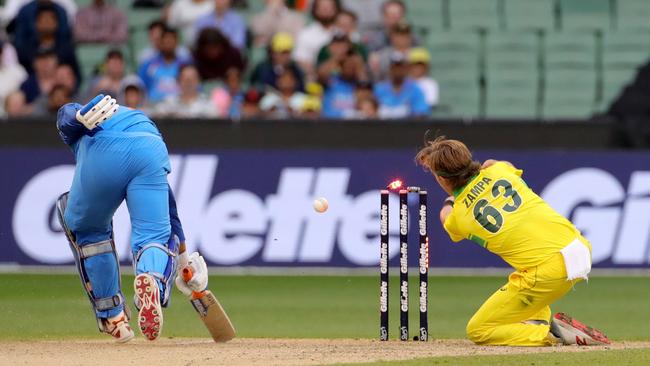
(210, 311)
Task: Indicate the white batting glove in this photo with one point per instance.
(199, 280)
(100, 112)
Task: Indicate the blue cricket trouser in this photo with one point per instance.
(113, 166)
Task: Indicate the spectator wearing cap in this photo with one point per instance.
(160, 73)
(316, 35)
(43, 78)
(190, 102)
(275, 18)
(100, 22)
(133, 94)
(400, 96)
(311, 108)
(250, 107)
(340, 76)
(183, 14)
(278, 60)
(12, 75)
(109, 81)
(231, 24)
(401, 40)
(155, 31)
(47, 29)
(214, 55)
(419, 60)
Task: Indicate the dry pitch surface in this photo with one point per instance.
(252, 351)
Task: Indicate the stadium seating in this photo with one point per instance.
(512, 75)
(427, 14)
(529, 14)
(469, 14)
(632, 14)
(455, 61)
(585, 14)
(570, 75)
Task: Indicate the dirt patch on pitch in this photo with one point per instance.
(248, 351)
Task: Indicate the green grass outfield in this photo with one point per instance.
(42, 307)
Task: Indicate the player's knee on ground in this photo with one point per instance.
(476, 331)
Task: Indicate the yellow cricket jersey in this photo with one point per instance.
(497, 210)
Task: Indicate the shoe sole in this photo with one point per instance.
(150, 320)
(594, 333)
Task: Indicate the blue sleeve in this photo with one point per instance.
(239, 32)
(419, 106)
(177, 227)
(142, 73)
(69, 128)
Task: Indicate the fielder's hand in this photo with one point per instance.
(97, 111)
(199, 281)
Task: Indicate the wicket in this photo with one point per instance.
(423, 264)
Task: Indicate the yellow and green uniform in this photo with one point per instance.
(497, 210)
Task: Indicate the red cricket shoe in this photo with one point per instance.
(571, 331)
(150, 319)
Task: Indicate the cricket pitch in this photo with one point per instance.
(254, 351)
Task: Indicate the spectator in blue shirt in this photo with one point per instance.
(231, 24)
(160, 73)
(399, 96)
(340, 76)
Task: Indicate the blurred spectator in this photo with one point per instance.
(401, 40)
(316, 35)
(48, 30)
(392, 13)
(148, 3)
(367, 108)
(156, 29)
(286, 101)
(43, 78)
(345, 30)
(347, 22)
(275, 18)
(100, 22)
(400, 97)
(250, 107)
(12, 75)
(235, 92)
(190, 102)
(58, 96)
(159, 74)
(214, 55)
(11, 9)
(231, 24)
(109, 81)
(311, 108)
(184, 13)
(278, 60)
(364, 90)
(369, 12)
(419, 59)
(15, 105)
(65, 76)
(340, 76)
(133, 93)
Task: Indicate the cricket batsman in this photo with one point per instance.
(120, 155)
(491, 205)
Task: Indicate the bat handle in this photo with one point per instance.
(187, 275)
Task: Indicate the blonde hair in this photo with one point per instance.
(449, 159)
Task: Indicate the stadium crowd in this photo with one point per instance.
(349, 59)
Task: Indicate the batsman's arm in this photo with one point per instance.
(175, 221)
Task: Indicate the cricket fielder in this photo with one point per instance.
(120, 155)
(491, 205)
